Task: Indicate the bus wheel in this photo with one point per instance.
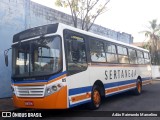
(95, 98)
(138, 89)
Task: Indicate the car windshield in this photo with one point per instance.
(37, 57)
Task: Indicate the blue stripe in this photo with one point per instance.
(36, 81)
(80, 90)
(57, 75)
(148, 78)
(108, 85)
(28, 81)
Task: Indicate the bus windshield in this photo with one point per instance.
(37, 57)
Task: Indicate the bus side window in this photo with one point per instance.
(146, 58)
(140, 57)
(122, 54)
(76, 55)
(97, 51)
(111, 53)
(132, 56)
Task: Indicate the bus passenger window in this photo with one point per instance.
(122, 54)
(97, 51)
(132, 56)
(111, 54)
(140, 57)
(146, 58)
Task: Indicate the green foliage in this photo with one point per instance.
(153, 34)
(84, 10)
(146, 46)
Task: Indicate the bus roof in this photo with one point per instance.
(98, 36)
(52, 28)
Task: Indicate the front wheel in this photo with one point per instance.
(138, 89)
(95, 98)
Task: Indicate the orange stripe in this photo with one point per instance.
(80, 97)
(127, 86)
(111, 90)
(146, 82)
(119, 88)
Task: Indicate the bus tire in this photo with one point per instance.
(138, 89)
(96, 98)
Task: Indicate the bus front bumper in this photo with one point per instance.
(57, 100)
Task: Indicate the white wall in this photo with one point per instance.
(12, 21)
(155, 71)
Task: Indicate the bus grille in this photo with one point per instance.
(30, 91)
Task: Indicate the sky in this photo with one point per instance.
(129, 16)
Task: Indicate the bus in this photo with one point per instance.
(57, 66)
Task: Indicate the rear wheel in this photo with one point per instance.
(138, 89)
(96, 98)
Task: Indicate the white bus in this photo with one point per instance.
(57, 67)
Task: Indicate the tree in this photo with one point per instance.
(153, 34)
(84, 10)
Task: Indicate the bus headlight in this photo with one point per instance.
(53, 88)
(48, 90)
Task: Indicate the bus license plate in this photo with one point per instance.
(28, 103)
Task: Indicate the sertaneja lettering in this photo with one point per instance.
(118, 74)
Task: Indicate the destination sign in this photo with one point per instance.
(77, 37)
(33, 32)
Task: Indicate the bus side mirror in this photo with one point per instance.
(6, 60)
(6, 56)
